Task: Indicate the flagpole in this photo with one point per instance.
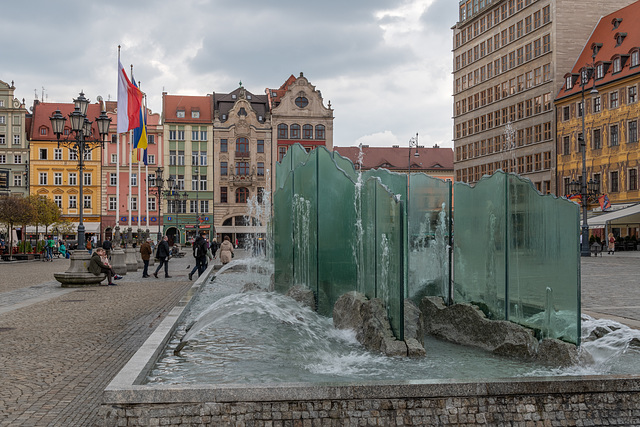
(130, 171)
(146, 167)
(118, 164)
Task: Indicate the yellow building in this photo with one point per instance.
(610, 63)
(54, 170)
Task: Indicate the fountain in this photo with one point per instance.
(260, 358)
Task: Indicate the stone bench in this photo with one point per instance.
(24, 257)
(79, 279)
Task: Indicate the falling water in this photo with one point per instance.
(385, 266)
(301, 216)
(548, 309)
(357, 246)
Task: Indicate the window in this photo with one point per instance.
(151, 159)
(242, 194)
(113, 179)
(613, 136)
(180, 135)
(614, 182)
(134, 203)
(633, 131)
(151, 139)
(73, 178)
(3, 159)
(113, 203)
(57, 154)
(223, 194)
(307, 132)
(180, 114)
(633, 179)
(295, 131)
(43, 154)
(194, 158)
(42, 180)
(3, 120)
(546, 43)
(223, 168)
(242, 145)
(633, 94)
(242, 168)
(617, 65)
(301, 102)
(566, 145)
(114, 158)
(195, 114)
(57, 178)
(597, 104)
(546, 15)
(204, 206)
(599, 71)
(73, 202)
(635, 58)
(260, 146)
(3, 139)
(172, 157)
(180, 182)
(172, 135)
(527, 24)
(260, 168)
(87, 178)
(613, 99)
(537, 47)
(134, 179)
(223, 146)
(536, 19)
(16, 139)
(195, 135)
(282, 151)
(180, 158)
(57, 199)
(283, 131)
(579, 108)
(203, 183)
(152, 204)
(597, 139)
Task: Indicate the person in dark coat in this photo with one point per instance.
(162, 254)
(145, 254)
(98, 266)
(200, 254)
(107, 246)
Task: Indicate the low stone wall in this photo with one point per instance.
(553, 402)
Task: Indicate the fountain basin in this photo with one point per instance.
(560, 400)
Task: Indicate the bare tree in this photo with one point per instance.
(16, 209)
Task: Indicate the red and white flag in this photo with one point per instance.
(129, 102)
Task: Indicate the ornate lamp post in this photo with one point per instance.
(82, 143)
(159, 186)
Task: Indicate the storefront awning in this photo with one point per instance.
(624, 217)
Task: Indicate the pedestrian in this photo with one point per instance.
(214, 247)
(200, 254)
(107, 246)
(49, 244)
(163, 255)
(226, 251)
(210, 256)
(97, 266)
(88, 246)
(145, 254)
(63, 250)
(612, 244)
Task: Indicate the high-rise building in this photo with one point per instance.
(14, 147)
(509, 57)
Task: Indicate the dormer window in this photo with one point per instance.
(619, 37)
(616, 22)
(617, 65)
(242, 112)
(249, 97)
(195, 114)
(595, 48)
(234, 96)
(224, 117)
(635, 58)
(569, 80)
(599, 71)
(180, 114)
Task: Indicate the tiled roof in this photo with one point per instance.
(42, 111)
(224, 102)
(621, 25)
(397, 158)
(171, 104)
(275, 95)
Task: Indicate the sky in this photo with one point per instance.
(385, 66)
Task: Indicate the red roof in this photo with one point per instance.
(42, 111)
(171, 104)
(275, 95)
(397, 158)
(616, 35)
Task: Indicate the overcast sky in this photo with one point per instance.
(384, 65)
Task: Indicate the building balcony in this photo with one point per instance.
(242, 154)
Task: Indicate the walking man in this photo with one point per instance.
(145, 254)
(163, 255)
(107, 246)
(200, 254)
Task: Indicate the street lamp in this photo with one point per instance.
(180, 201)
(586, 189)
(159, 185)
(82, 143)
(196, 170)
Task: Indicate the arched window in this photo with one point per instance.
(320, 132)
(242, 145)
(295, 131)
(283, 131)
(242, 194)
(307, 132)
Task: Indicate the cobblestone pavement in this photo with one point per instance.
(61, 347)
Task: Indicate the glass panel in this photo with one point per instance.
(479, 250)
(283, 235)
(543, 263)
(429, 228)
(305, 223)
(345, 165)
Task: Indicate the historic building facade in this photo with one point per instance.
(53, 168)
(242, 152)
(14, 146)
(509, 59)
(610, 63)
(188, 150)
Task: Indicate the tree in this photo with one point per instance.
(47, 212)
(16, 209)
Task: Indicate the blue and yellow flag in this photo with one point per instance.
(140, 136)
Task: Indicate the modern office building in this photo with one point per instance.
(509, 57)
(14, 147)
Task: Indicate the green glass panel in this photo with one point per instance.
(336, 234)
(283, 235)
(479, 244)
(295, 155)
(365, 244)
(389, 248)
(305, 223)
(429, 228)
(344, 164)
(543, 262)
